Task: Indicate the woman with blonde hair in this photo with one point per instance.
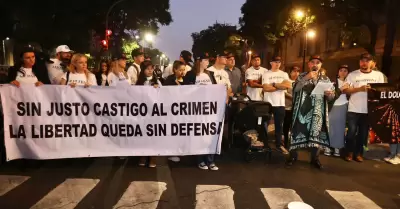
(78, 73)
(117, 75)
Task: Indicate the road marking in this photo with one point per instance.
(9, 182)
(353, 200)
(142, 194)
(214, 196)
(67, 195)
(279, 198)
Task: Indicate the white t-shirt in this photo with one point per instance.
(203, 79)
(221, 76)
(114, 80)
(289, 102)
(55, 71)
(133, 73)
(276, 98)
(255, 94)
(169, 71)
(147, 82)
(103, 79)
(26, 78)
(343, 97)
(80, 79)
(358, 102)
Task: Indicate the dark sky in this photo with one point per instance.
(193, 16)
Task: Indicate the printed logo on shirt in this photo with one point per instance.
(27, 76)
(276, 77)
(366, 80)
(77, 81)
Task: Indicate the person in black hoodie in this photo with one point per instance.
(102, 75)
(27, 71)
(177, 78)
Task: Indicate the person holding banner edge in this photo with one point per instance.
(147, 78)
(78, 74)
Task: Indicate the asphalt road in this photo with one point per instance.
(120, 183)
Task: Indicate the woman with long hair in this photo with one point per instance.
(147, 78)
(201, 76)
(78, 73)
(27, 71)
(177, 78)
(338, 112)
(117, 75)
(101, 75)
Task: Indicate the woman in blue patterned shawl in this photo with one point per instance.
(310, 113)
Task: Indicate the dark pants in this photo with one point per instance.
(287, 124)
(207, 159)
(357, 123)
(314, 154)
(279, 115)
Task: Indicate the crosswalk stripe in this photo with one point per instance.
(279, 198)
(68, 194)
(353, 200)
(142, 194)
(9, 182)
(214, 196)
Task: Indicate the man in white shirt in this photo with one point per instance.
(253, 79)
(185, 57)
(134, 70)
(275, 83)
(59, 66)
(357, 116)
(220, 75)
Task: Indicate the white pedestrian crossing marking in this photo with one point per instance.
(214, 196)
(142, 194)
(9, 182)
(279, 198)
(353, 200)
(67, 195)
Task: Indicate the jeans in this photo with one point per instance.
(207, 159)
(357, 123)
(287, 123)
(314, 154)
(394, 150)
(279, 115)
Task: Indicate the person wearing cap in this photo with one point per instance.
(338, 112)
(287, 121)
(357, 116)
(275, 83)
(221, 76)
(78, 73)
(374, 67)
(235, 75)
(118, 76)
(60, 64)
(253, 78)
(27, 71)
(310, 119)
(134, 70)
(185, 57)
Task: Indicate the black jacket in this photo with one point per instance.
(171, 81)
(99, 79)
(190, 77)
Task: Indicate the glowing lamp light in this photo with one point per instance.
(311, 34)
(108, 32)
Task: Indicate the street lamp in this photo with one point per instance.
(299, 14)
(7, 38)
(137, 37)
(311, 34)
(4, 49)
(149, 37)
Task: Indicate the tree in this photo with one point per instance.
(391, 28)
(215, 38)
(70, 22)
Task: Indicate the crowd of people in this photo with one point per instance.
(302, 119)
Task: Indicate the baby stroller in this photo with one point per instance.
(247, 128)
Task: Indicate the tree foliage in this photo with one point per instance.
(51, 23)
(215, 38)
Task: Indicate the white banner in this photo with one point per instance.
(50, 122)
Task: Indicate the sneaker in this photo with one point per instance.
(349, 157)
(394, 160)
(152, 162)
(174, 159)
(336, 153)
(366, 149)
(142, 161)
(327, 151)
(283, 150)
(359, 159)
(213, 167)
(203, 166)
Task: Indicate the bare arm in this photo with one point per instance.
(269, 88)
(254, 84)
(63, 82)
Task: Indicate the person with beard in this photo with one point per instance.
(134, 70)
(185, 57)
(310, 119)
(253, 78)
(235, 75)
(27, 70)
(60, 65)
(357, 116)
(101, 76)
